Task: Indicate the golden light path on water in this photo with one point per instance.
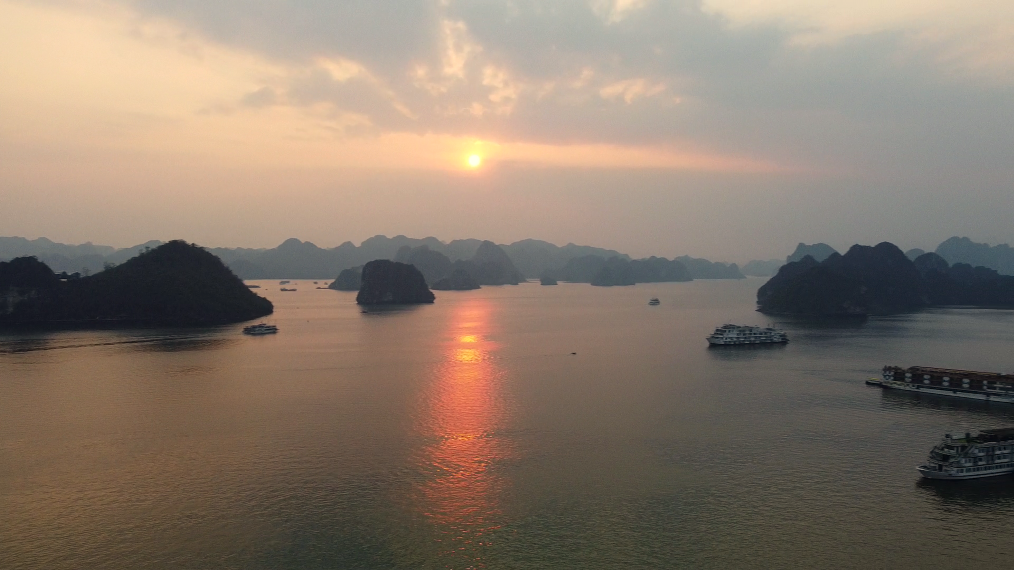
(461, 416)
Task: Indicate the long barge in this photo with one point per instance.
(967, 384)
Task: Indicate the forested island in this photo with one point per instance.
(175, 284)
(880, 280)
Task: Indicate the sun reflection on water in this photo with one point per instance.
(462, 416)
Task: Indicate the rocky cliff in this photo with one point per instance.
(880, 280)
(387, 282)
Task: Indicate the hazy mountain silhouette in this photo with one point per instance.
(350, 279)
(458, 280)
(818, 251)
(296, 259)
(914, 253)
(762, 267)
(963, 250)
(621, 271)
(704, 269)
(433, 264)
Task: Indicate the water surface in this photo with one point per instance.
(510, 427)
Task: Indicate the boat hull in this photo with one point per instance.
(1008, 470)
(719, 342)
(953, 392)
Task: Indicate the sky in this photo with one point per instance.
(727, 129)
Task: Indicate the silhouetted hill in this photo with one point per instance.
(533, 257)
(704, 269)
(296, 259)
(880, 280)
(620, 271)
(963, 250)
(391, 283)
(491, 266)
(914, 253)
(350, 279)
(762, 267)
(433, 264)
(818, 251)
(582, 269)
(458, 280)
(174, 284)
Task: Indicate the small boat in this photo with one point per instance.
(251, 286)
(260, 328)
(283, 282)
(654, 301)
(284, 289)
(971, 457)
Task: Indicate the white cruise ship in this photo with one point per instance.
(985, 455)
(740, 334)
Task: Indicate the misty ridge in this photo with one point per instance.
(533, 259)
(295, 259)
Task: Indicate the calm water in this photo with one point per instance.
(466, 435)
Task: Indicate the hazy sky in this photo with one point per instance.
(730, 129)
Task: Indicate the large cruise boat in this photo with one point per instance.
(741, 334)
(988, 386)
(985, 455)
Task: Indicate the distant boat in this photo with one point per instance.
(260, 328)
(284, 289)
(654, 301)
(254, 286)
(283, 282)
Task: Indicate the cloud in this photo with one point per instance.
(679, 74)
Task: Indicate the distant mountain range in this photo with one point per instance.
(295, 259)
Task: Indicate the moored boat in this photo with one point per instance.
(987, 454)
(967, 384)
(742, 334)
(260, 328)
(654, 301)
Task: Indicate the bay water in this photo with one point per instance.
(523, 426)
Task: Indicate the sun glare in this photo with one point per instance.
(474, 160)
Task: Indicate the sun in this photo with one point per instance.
(474, 161)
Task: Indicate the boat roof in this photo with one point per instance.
(955, 372)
